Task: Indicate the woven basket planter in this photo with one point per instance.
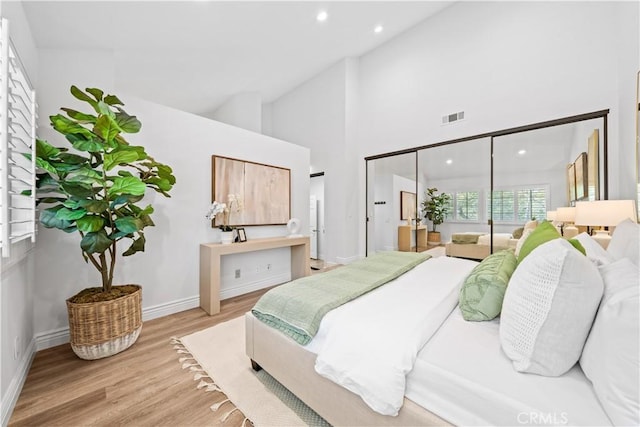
(102, 329)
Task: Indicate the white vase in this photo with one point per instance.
(227, 237)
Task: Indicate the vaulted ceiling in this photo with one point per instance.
(194, 55)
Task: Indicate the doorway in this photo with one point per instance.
(316, 220)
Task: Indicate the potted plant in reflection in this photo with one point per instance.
(93, 188)
(435, 208)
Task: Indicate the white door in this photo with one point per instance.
(313, 226)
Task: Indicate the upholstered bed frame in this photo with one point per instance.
(265, 347)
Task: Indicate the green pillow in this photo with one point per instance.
(517, 233)
(483, 290)
(541, 234)
(576, 244)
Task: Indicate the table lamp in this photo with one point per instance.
(567, 216)
(604, 213)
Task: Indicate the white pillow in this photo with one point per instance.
(525, 234)
(595, 252)
(531, 225)
(548, 309)
(625, 242)
(611, 355)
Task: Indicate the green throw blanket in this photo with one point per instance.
(296, 308)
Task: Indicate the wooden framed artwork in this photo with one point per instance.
(593, 166)
(571, 183)
(407, 205)
(263, 191)
(580, 166)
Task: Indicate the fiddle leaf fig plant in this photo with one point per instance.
(93, 187)
(435, 207)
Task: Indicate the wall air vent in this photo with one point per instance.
(453, 117)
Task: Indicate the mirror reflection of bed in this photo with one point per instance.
(497, 184)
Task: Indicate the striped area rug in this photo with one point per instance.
(216, 357)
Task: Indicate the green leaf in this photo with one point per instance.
(112, 100)
(90, 223)
(80, 117)
(106, 127)
(147, 210)
(76, 189)
(119, 157)
(82, 143)
(68, 127)
(43, 164)
(124, 199)
(73, 159)
(129, 224)
(103, 108)
(70, 203)
(97, 93)
(146, 220)
(96, 242)
(161, 183)
(126, 185)
(128, 124)
(166, 172)
(65, 167)
(86, 176)
(44, 150)
(70, 214)
(49, 219)
(125, 173)
(82, 96)
(136, 246)
(94, 206)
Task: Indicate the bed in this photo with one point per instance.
(477, 245)
(458, 373)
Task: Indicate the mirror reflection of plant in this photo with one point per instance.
(95, 188)
(435, 207)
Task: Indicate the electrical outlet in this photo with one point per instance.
(237, 273)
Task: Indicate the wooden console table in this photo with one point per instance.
(404, 238)
(210, 254)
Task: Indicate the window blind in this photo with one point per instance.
(17, 147)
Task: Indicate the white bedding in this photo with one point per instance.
(462, 375)
(370, 344)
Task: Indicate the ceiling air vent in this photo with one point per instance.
(453, 117)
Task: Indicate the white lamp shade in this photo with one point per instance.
(606, 213)
(566, 214)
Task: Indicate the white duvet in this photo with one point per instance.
(370, 344)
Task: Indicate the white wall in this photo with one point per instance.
(505, 64)
(314, 116)
(168, 269)
(243, 110)
(17, 272)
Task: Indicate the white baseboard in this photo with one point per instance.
(15, 386)
(60, 336)
(347, 260)
(254, 286)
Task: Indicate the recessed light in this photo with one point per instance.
(449, 161)
(378, 29)
(322, 16)
(522, 152)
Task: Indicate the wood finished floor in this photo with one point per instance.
(142, 386)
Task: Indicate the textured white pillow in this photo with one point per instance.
(595, 252)
(625, 242)
(525, 234)
(548, 309)
(611, 355)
